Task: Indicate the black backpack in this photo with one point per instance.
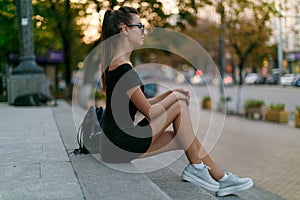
(32, 99)
(89, 131)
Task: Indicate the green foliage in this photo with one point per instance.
(277, 107)
(226, 99)
(56, 26)
(47, 35)
(298, 109)
(8, 29)
(246, 29)
(206, 98)
(253, 103)
(96, 94)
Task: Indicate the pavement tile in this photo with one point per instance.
(34, 163)
(20, 172)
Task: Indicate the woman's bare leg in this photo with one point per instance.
(183, 137)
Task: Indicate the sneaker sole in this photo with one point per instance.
(233, 189)
(194, 179)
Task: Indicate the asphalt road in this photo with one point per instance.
(290, 96)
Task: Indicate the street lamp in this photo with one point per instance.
(221, 45)
(280, 50)
(27, 78)
(27, 64)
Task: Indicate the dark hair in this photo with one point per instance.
(111, 27)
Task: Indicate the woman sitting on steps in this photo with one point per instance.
(124, 141)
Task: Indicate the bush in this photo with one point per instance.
(277, 107)
(206, 102)
(253, 103)
(206, 98)
(226, 99)
(298, 109)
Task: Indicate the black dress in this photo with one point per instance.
(123, 140)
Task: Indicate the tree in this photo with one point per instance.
(59, 22)
(8, 30)
(206, 33)
(188, 10)
(56, 24)
(247, 28)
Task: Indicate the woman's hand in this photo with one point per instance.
(183, 91)
(183, 94)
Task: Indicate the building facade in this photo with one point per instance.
(289, 11)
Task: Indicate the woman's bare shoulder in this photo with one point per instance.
(118, 66)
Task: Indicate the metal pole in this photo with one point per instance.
(221, 47)
(280, 49)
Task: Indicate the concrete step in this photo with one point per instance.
(177, 189)
(169, 180)
(99, 180)
(122, 181)
(171, 183)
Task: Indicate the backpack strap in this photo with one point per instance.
(81, 149)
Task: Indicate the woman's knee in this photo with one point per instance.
(178, 108)
(180, 104)
(183, 106)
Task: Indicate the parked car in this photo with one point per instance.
(251, 78)
(273, 79)
(228, 80)
(296, 81)
(150, 90)
(287, 79)
(197, 80)
(260, 79)
(180, 78)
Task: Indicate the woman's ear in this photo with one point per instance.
(124, 29)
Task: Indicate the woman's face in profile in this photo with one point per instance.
(136, 31)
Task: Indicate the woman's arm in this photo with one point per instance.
(152, 111)
(158, 98)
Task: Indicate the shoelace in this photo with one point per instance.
(206, 166)
(235, 177)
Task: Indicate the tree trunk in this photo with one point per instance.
(67, 49)
(239, 103)
(240, 88)
(241, 66)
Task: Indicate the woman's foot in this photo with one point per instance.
(233, 184)
(200, 177)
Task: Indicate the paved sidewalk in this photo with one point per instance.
(267, 152)
(34, 163)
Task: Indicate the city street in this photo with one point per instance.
(290, 96)
(62, 61)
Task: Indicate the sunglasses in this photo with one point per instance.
(140, 26)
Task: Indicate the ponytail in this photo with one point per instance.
(105, 57)
(105, 30)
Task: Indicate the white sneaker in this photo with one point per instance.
(233, 184)
(200, 177)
